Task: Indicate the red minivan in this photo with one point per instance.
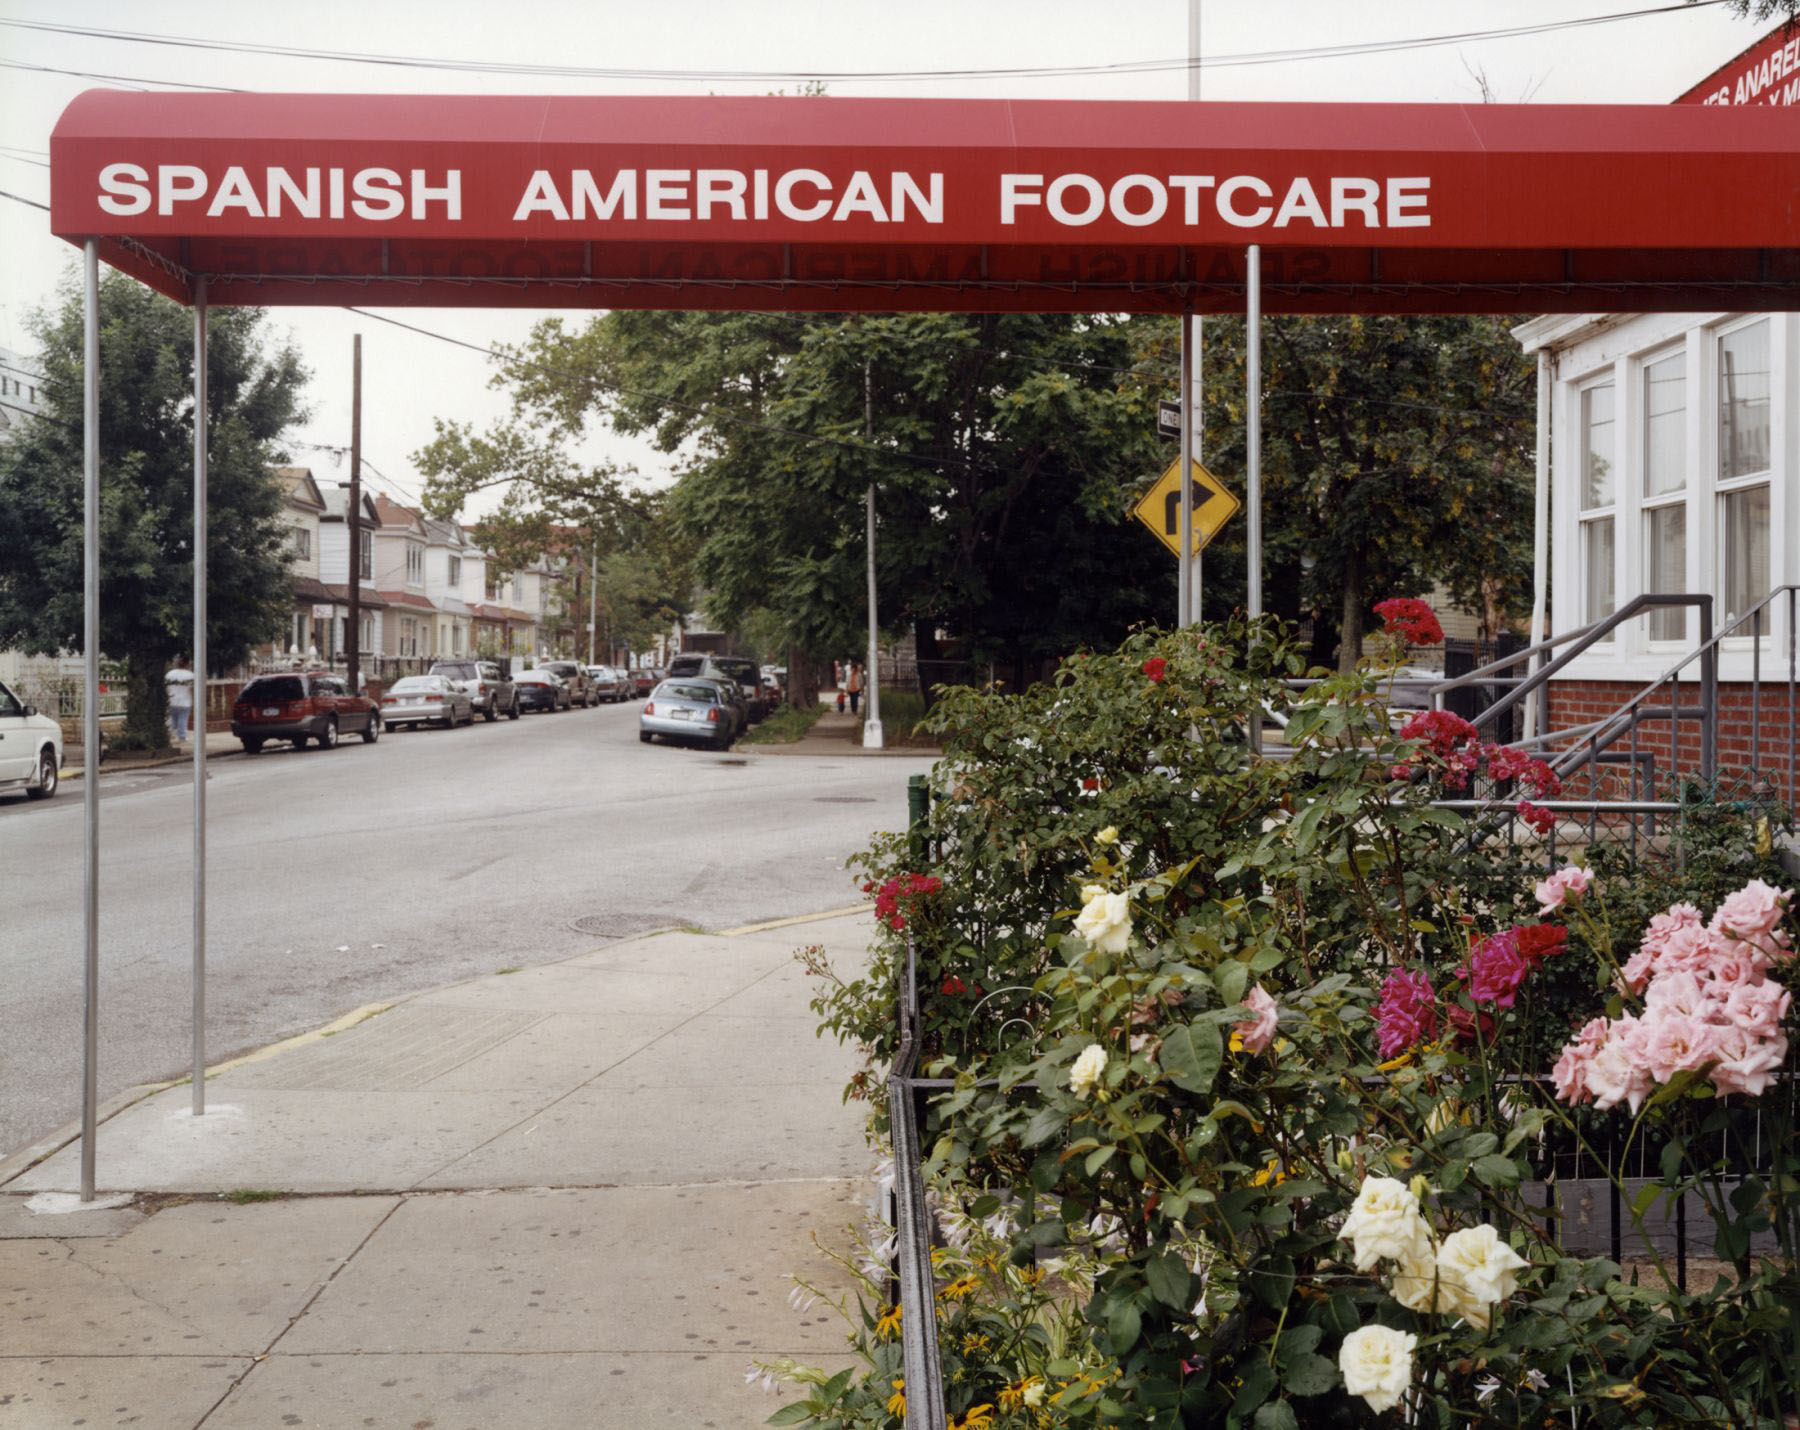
(302, 707)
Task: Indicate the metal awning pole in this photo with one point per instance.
(1540, 543)
(201, 415)
(1185, 483)
(90, 707)
(1253, 442)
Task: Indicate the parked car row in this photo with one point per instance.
(706, 700)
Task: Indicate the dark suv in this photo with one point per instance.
(581, 685)
(716, 667)
(299, 708)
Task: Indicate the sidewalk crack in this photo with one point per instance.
(295, 1319)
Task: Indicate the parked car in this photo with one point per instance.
(644, 679)
(422, 699)
(307, 705)
(749, 679)
(691, 711)
(540, 690)
(581, 689)
(31, 748)
(712, 667)
(486, 684)
(610, 683)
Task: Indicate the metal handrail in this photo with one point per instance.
(922, 1364)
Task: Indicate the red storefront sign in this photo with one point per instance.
(1766, 73)
(974, 204)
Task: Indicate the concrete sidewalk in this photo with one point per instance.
(567, 1196)
(218, 743)
(835, 735)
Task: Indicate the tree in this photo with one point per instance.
(146, 475)
(1006, 452)
(1397, 453)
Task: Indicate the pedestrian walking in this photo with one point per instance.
(180, 684)
(853, 686)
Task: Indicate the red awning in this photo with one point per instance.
(997, 205)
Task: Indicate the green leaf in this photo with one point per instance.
(1231, 979)
(1045, 1123)
(1122, 1325)
(793, 1414)
(1169, 1277)
(1298, 1341)
(1259, 1380)
(1309, 1375)
(1276, 1415)
(1098, 1158)
(1191, 1055)
(1496, 1170)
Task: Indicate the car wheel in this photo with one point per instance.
(447, 722)
(47, 777)
(492, 712)
(252, 747)
(513, 714)
(645, 737)
(372, 731)
(328, 741)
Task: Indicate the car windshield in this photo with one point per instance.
(531, 677)
(419, 682)
(562, 667)
(455, 670)
(742, 671)
(687, 665)
(275, 687)
(699, 694)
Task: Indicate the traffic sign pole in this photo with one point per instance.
(1253, 443)
(1197, 578)
(1184, 552)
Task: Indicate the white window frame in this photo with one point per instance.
(1586, 516)
(456, 573)
(1647, 503)
(415, 564)
(1719, 487)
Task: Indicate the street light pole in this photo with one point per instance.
(593, 600)
(352, 522)
(872, 739)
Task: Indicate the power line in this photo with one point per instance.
(22, 159)
(21, 199)
(1123, 67)
(126, 79)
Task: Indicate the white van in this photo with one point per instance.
(31, 748)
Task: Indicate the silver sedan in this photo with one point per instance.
(426, 699)
(691, 711)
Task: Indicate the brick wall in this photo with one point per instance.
(1755, 743)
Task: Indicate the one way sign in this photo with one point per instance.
(1160, 507)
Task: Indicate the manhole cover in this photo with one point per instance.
(621, 925)
(734, 762)
(845, 799)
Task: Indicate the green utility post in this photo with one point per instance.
(918, 814)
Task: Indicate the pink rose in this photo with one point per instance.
(1676, 993)
(1758, 1008)
(1689, 950)
(1679, 916)
(1753, 911)
(1495, 969)
(1671, 1043)
(1747, 1064)
(1616, 1073)
(1567, 885)
(1638, 970)
(1258, 1030)
(1569, 1076)
(1735, 965)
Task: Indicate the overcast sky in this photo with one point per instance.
(409, 380)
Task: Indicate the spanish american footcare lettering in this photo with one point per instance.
(801, 195)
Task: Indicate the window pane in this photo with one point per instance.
(1597, 568)
(1743, 552)
(1665, 567)
(1597, 447)
(1744, 402)
(1665, 425)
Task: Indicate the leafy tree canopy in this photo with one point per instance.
(147, 488)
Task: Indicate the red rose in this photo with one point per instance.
(1540, 941)
(1090, 783)
(1413, 621)
(954, 986)
(1155, 666)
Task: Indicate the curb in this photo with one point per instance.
(76, 773)
(797, 919)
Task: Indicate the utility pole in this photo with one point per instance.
(593, 598)
(353, 524)
(1192, 349)
(872, 679)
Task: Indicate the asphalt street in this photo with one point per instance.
(344, 877)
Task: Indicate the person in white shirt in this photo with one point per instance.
(180, 683)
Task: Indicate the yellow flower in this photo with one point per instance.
(889, 1324)
(1031, 1275)
(1015, 1397)
(1273, 1169)
(960, 1289)
(977, 1417)
(1237, 1042)
(897, 1401)
(1402, 1061)
(973, 1343)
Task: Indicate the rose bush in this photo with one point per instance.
(1267, 1045)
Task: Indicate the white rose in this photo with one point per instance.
(1416, 1284)
(1084, 1076)
(1377, 1365)
(1476, 1269)
(1105, 920)
(1384, 1222)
